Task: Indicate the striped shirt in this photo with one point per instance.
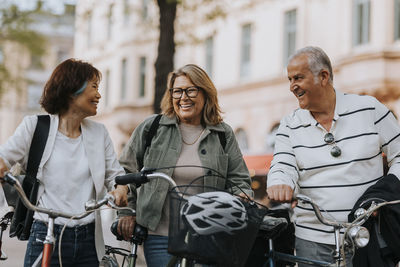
(363, 128)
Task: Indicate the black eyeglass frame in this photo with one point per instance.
(171, 90)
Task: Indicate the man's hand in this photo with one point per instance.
(121, 195)
(125, 226)
(281, 193)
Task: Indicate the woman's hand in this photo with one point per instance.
(3, 168)
(120, 194)
(125, 226)
(245, 197)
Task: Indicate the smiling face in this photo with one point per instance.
(86, 102)
(304, 85)
(189, 110)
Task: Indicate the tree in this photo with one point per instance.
(198, 11)
(166, 49)
(15, 29)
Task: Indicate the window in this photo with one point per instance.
(270, 138)
(142, 77)
(397, 20)
(361, 21)
(289, 35)
(107, 88)
(36, 62)
(126, 12)
(209, 55)
(34, 94)
(109, 22)
(89, 29)
(123, 79)
(245, 51)
(62, 55)
(145, 9)
(241, 138)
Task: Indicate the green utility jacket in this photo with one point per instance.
(164, 151)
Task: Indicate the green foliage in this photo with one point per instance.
(15, 28)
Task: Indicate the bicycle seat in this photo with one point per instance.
(271, 227)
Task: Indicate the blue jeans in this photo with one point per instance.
(156, 251)
(316, 251)
(77, 246)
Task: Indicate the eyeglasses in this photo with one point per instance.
(330, 139)
(191, 92)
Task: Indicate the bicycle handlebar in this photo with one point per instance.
(90, 206)
(143, 177)
(358, 221)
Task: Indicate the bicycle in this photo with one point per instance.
(49, 243)
(355, 236)
(128, 256)
(5, 220)
(185, 237)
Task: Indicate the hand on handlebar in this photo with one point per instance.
(125, 226)
(3, 169)
(281, 193)
(120, 194)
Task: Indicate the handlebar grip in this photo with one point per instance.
(138, 179)
(8, 178)
(114, 231)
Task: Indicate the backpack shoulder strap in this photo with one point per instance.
(152, 131)
(149, 137)
(222, 139)
(38, 143)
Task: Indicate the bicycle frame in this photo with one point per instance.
(143, 177)
(48, 245)
(4, 222)
(338, 258)
(273, 256)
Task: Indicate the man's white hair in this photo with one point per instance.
(317, 60)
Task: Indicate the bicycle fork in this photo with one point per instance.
(133, 255)
(48, 246)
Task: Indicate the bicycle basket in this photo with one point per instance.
(210, 226)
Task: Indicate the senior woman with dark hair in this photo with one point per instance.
(188, 134)
(78, 164)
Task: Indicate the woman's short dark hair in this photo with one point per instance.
(67, 78)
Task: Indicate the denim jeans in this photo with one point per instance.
(77, 247)
(156, 251)
(316, 251)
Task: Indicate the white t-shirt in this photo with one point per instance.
(67, 181)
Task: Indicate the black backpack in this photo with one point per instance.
(22, 219)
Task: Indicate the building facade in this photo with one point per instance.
(245, 51)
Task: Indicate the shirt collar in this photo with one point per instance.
(340, 108)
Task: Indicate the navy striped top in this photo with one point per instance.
(363, 128)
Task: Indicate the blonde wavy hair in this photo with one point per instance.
(211, 110)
